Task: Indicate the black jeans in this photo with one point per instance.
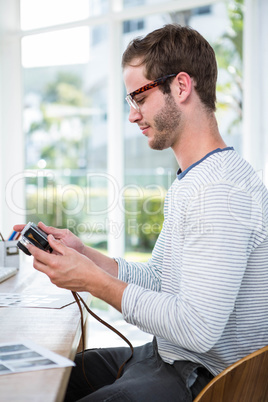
(146, 377)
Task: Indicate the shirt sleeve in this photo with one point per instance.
(144, 275)
(222, 226)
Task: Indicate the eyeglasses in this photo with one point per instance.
(159, 81)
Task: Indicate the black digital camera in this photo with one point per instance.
(32, 234)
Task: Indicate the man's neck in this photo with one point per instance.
(197, 141)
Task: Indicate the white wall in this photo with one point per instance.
(255, 130)
(11, 145)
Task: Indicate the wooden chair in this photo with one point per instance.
(244, 381)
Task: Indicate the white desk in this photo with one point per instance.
(58, 330)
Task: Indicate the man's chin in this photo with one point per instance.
(157, 145)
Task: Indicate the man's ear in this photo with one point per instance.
(184, 86)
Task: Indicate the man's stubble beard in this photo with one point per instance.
(167, 125)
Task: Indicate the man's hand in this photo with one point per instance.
(71, 270)
(64, 235)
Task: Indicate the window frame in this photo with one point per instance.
(12, 157)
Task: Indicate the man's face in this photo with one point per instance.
(159, 116)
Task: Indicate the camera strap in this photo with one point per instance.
(80, 300)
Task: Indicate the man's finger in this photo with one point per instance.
(18, 228)
(57, 233)
(39, 254)
(44, 256)
(47, 229)
(56, 245)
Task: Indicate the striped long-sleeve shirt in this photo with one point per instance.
(204, 292)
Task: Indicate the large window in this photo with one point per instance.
(37, 13)
(65, 125)
(85, 166)
(71, 117)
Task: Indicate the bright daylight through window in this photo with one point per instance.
(66, 117)
(85, 167)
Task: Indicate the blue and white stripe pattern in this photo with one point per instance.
(204, 292)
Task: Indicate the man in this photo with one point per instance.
(204, 292)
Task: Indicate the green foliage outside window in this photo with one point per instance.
(67, 207)
(143, 216)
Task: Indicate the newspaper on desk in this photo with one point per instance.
(27, 356)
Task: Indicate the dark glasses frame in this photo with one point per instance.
(159, 81)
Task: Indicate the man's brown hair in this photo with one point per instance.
(174, 49)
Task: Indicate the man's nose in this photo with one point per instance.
(134, 115)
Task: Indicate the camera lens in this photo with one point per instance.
(22, 245)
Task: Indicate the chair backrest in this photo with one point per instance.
(244, 381)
